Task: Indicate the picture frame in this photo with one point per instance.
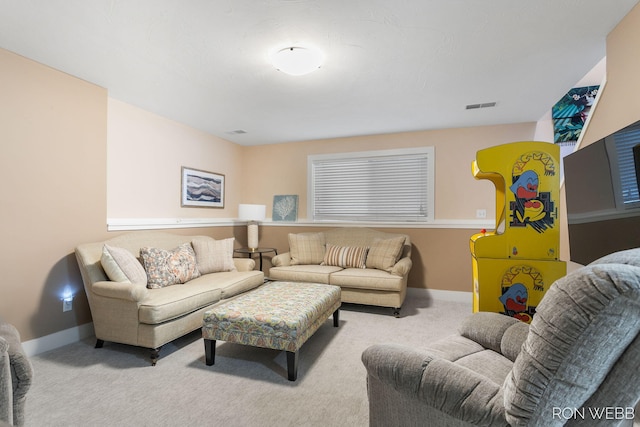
(285, 208)
(201, 188)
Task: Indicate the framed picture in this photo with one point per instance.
(202, 189)
(571, 112)
(285, 208)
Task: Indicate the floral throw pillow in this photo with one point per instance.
(166, 268)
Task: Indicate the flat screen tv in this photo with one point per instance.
(603, 206)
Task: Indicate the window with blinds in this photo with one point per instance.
(372, 186)
(624, 142)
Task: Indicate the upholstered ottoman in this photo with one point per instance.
(277, 315)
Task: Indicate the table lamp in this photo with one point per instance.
(252, 214)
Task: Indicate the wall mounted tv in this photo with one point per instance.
(603, 206)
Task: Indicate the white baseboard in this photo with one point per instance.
(58, 339)
(438, 294)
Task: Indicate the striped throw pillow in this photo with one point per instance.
(345, 256)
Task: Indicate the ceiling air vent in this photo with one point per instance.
(236, 132)
(484, 105)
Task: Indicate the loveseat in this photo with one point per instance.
(147, 288)
(16, 376)
(370, 266)
(576, 364)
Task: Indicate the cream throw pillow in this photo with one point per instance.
(383, 254)
(345, 256)
(212, 255)
(121, 266)
(306, 248)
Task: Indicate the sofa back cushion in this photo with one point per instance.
(121, 266)
(306, 248)
(213, 256)
(384, 253)
(363, 236)
(582, 327)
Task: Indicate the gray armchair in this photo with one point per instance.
(15, 376)
(576, 364)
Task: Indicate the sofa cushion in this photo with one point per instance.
(213, 256)
(345, 256)
(122, 266)
(306, 248)
(366, 278)
(171, 302)
(303, 273)
(169, 267)
(384, 253)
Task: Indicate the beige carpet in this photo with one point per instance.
(78, 385)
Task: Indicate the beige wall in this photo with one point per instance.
(282, 168)
(441, 256)
(53, 131)
(53, 166)
(619, 101)
(145, 154)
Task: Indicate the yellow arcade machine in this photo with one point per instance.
(514, 264)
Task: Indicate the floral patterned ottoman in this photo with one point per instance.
(277, 315)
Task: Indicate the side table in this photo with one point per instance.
(251, 251)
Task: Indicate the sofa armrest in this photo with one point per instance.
(402, 267)
(19, 375)
(244, 264)
(135, 292)
(438, 383)
(500, 333)
(281, 260)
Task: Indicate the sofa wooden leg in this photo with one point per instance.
(396, 312)
(99, 343)
(155, 355)
(336, 318)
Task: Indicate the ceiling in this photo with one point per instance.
(391, 65)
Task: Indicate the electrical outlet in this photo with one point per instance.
(67, 304)
(481, 213)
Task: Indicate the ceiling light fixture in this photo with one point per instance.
(297, 61)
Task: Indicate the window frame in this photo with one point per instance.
(428, 152)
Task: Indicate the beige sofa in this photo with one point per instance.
(374, 276)
(126, 311)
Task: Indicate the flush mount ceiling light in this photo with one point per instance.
(297, 61)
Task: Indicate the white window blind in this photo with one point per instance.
(376, 186)
(624, 142)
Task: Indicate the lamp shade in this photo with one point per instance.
(297, 61)
(252, 212)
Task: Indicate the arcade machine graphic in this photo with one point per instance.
(514, 264)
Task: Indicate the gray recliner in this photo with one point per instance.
(576, 364)
(16, 374)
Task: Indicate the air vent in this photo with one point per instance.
(484, 105)
(236, 132)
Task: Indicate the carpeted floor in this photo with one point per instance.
(78, 385)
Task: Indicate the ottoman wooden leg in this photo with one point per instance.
(292, 365)
(336, 318)
(209, 351)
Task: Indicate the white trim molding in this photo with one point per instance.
(125, 224)
(128, 224)
(58, 339)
